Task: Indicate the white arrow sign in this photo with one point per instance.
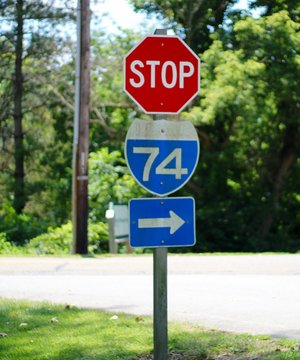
(174, 222)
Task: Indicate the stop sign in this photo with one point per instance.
(162, 74)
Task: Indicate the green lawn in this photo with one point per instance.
(40, 331)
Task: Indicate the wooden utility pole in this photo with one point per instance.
(81, 131)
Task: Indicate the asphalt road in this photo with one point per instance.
(256, 294)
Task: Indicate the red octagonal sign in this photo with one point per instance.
(162, 74)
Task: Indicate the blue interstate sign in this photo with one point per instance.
(162, 155)
(162, 222)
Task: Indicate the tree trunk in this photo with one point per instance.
(19, 190)
(287, 159)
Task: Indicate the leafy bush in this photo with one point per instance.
(58, 241)
(55, 241)
(7, 248)
(4, 244)
(20, 228)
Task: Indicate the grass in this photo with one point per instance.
(40, 331)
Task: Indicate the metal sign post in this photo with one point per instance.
(161, 74)
(160, 301)
(160, 287)
(110, 216)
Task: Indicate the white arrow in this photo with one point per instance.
(174, 222)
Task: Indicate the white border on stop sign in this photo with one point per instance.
(124, 72)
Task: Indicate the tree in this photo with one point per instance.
(273, 6)
(48, 105)
(248, 120)
(197, 20)
(111, 110)
(109, 181)
(21, 29)
(279, 52)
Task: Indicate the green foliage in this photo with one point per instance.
(196, 20)
(58, 241)
(109, 180)
(7, 248)
(19, 228)
(98, 238)
(26, 122)
(247, 116)
(54, 241)
(248, 121)
(111, 110)
(273, 6)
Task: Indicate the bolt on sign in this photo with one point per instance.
(162, 74)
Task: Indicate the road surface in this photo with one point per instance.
(256, 294)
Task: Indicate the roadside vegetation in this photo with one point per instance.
(246, 185)
(44, 331)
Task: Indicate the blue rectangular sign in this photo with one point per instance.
(162, 222)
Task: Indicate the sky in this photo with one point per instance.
(120, 14)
